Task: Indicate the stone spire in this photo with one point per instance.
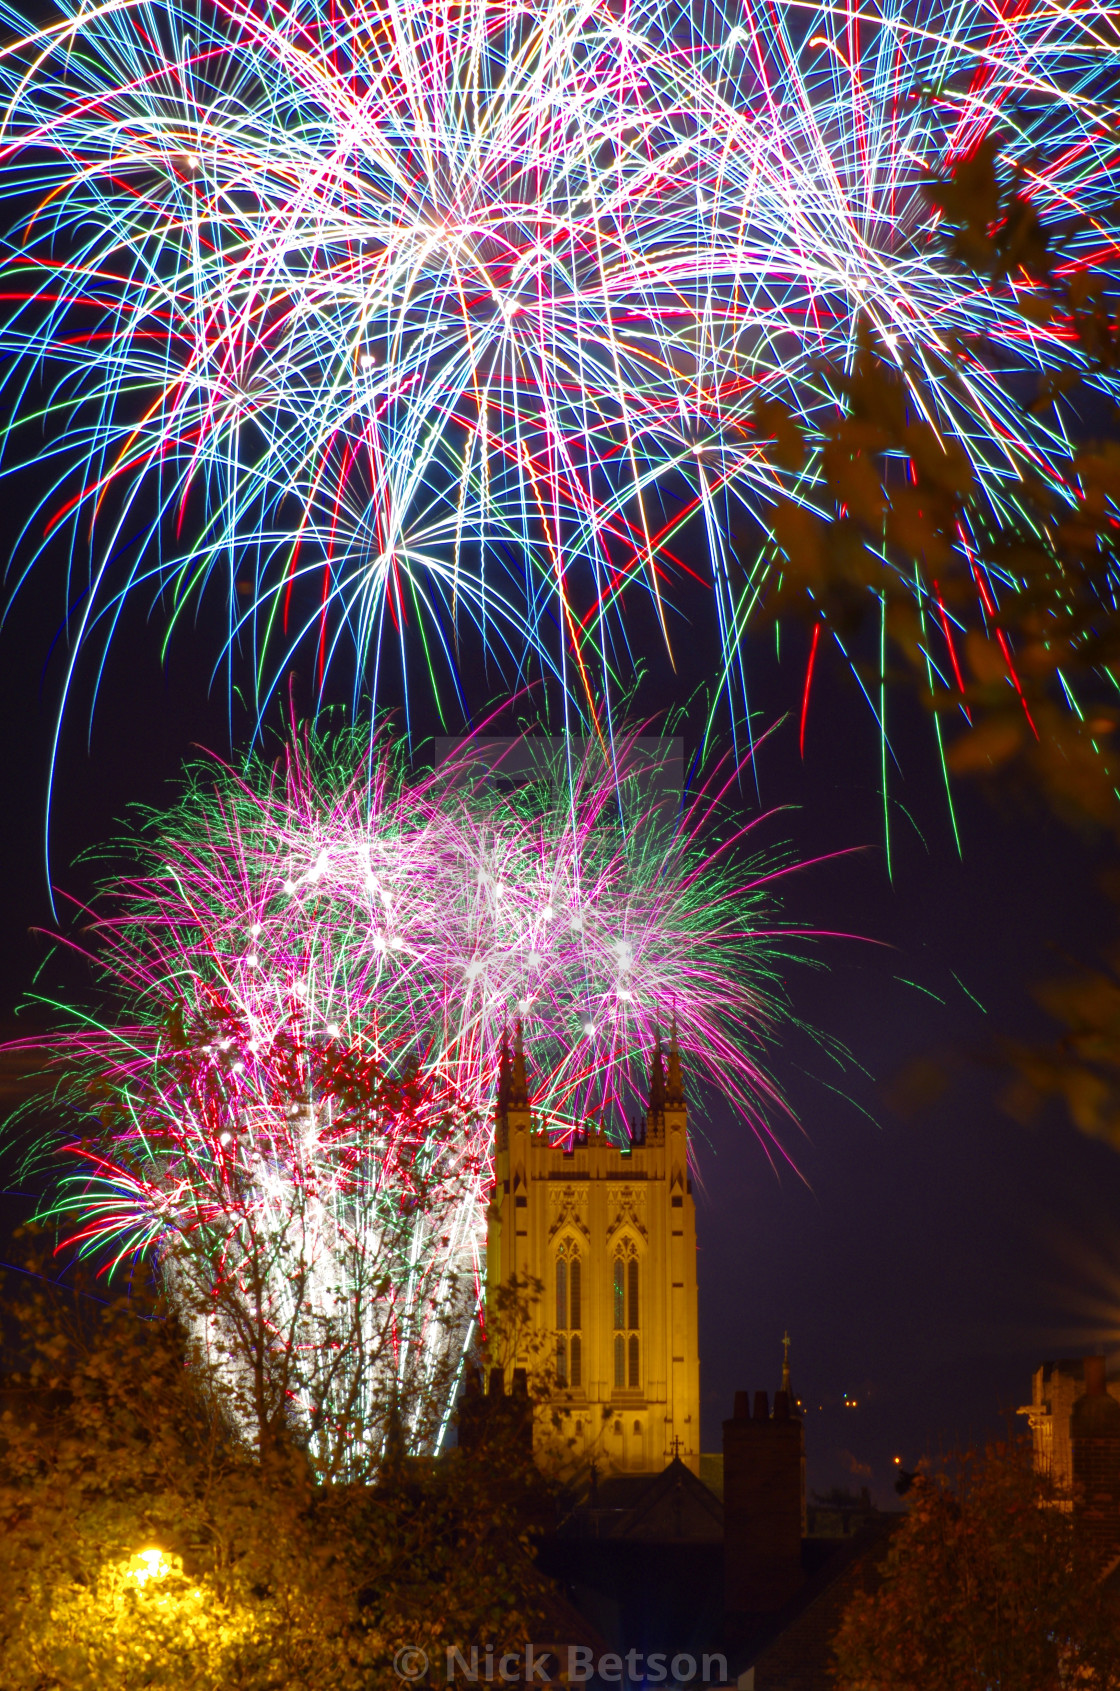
(674, 1084)
(518, 1090)
(785, 1386)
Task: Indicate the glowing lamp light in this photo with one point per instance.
(147, 1565)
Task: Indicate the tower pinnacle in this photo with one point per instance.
(502, 1100)
(518, 1092)
(657, 1081)
(674, 1084)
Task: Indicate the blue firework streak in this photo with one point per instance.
(403, 319)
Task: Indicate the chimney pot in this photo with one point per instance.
(742, 1409)
(761, 1406)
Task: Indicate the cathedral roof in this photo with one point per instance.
(672, 1507)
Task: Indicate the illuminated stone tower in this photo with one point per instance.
(610, 1232)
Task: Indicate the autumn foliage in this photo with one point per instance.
(989, 1586)
(111, 1446)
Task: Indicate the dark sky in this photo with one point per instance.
(924, 1261)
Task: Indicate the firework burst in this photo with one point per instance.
(399, 319)
(288, 1098)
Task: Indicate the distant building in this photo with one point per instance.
(1055, 1388)
(839, 1513)
(1074, 1416)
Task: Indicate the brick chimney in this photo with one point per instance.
(763, 1459)
(1094, 1427)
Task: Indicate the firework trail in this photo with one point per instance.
(306, 986)
(397, 320)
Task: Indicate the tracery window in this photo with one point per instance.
(569, 1315)
(625, 1285)
(561, 1294)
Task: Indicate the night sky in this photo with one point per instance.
(929, 1251)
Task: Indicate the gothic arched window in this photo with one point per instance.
(625, 1288)
(561, 1293)
(569, 1315)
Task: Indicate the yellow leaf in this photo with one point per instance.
(773, 418)
(854, 481)
(985, 747)
(800, 534)
(945, 463)
(912, 524)
(985, 659)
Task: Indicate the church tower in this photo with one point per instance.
(610, 1233)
